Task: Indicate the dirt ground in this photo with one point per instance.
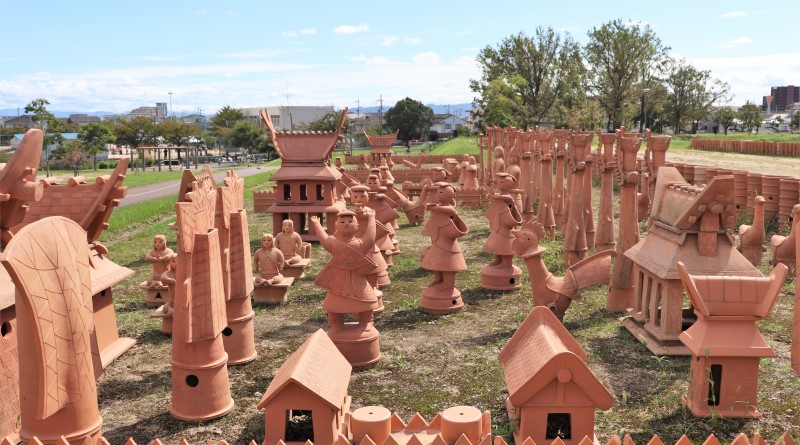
(769, 165)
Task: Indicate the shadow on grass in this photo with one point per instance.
(404, 319)
(475, 295)
(300, 330)
(252, 429)
(410, 274)
(147, 429)
(119, 389)
(496, 338)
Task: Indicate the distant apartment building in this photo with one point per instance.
(83, 119)
(288, 118)
(782, 98)
(159, 111)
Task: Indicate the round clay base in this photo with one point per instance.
(361, 348)
(439, 301)
(166, 326)
(494, 278)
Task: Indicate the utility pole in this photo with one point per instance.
(288, 109)
(170, 104)
(380, 112)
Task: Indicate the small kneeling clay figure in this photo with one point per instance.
(289, 243)
(160, 258)
(268, 262)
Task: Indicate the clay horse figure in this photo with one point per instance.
(348, 290)
(551, 291)
(48, 260)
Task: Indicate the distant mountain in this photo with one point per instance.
(457, 109)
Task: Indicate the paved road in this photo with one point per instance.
(170, 188)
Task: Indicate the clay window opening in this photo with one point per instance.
(320, 193)
(5, 329)
(659, 301)
(639, 290)
(299, 426)
(287, 192)
(714, 385)
(303, 192)
(646, 296)
(559, 426)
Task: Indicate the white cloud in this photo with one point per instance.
(308, 31)
(156, 58)
(388, 41)
(289, 34)
(375, 60)
(351, 29)
(733, 43)
(201, 12)
(427, 58)
(733, 14)
(751, 77)
(252, 54)
(413, 40)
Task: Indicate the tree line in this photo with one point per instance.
(623, 75)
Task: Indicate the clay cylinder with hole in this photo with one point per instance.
(740, 190)
(9, 380)
(770, 190)
(460, 420)
(789, 196)
(372, 421)
(239, 336)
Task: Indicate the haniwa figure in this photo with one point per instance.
(268, 262)
(289, 243)
(159, 257)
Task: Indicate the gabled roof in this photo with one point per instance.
(317, 366)
(539, 352)
(304, 146)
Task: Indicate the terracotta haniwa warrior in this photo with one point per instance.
(428, 193)
(471, 176)
(513, 164)
(164, 312)
(268, 262)
(504, 216)
(348, 290)
(289, 243)
(159, 257)
(379, 277)
(444, 256)
(499, 163)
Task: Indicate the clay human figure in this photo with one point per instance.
(513, 164)
(159, 257)
(499, 163)
(504, 216)
(268, 262)
(471, 176)
(379, 277)
(440, 174)
(289, 242)
(164, 312)
(444, 256)
(344, 277)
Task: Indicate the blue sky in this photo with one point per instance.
(115, 56)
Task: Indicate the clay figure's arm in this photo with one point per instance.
(369, 234)
(298, 244)
(257, 260)
(150, 256)
(319, 230)
(279, 260)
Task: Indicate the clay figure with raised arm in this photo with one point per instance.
(159, 257)
(289, 243)
(344, 277)
(268, 262)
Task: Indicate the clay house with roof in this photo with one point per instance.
(305, 182)
(551, 391)
(307, 399)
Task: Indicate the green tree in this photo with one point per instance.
(40, 114)
(410, 117)
(135, 133)
(72, 156)
(224, 121)
(328, 122)
(795, 122)
(529, 74)
(95, 137)
(692, 93)
(725, 117)
(249, 136)
(750, 115)
(624, 60)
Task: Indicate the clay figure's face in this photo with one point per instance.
(504, 183)
(498, 152)
(359, 198)
(266, 241)
(373, 183)
(346, 225)
(338, 162)
(288, 226)
(444, 195)
(173, 263)
(440, 175)
(159, 243)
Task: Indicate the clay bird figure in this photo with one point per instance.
(556, 293)
(751, 238)
(783, 247)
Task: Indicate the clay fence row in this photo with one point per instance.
(791, 149)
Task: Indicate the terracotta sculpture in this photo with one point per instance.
(604, 235)
(380, 147)
(551, 391)
(268, 262)
(588, 215)
(347, 289)
(643, 199)
(545, 216)
(621, 292)
(513, 164)
(503, 216)
(499, 163)
(796, 318)
(295, 251)
(526, 176)
(428, 193)
(655, 157)
(751, 238)
(444, 256)
(462, 169)
(559, 191)
(164, 312)
(306, 183)
(386, 215)
(556, 293)
(378, 277)
(48, 261)
(159, 257)
(200, 387)
(783, 247)
(414, 211)
(575, 245)
(725, 343)
(471, 176)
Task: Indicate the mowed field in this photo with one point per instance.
(430, 363)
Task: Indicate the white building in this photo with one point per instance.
(288, 118)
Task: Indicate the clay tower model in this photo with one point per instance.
(306, 183)
(380, 148)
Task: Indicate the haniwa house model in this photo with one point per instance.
(551, 391)
(307, 399)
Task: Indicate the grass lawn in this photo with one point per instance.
(134, 178)
(429, 363)
(744, 136)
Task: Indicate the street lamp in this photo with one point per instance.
(170, 103)
(643, 121)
